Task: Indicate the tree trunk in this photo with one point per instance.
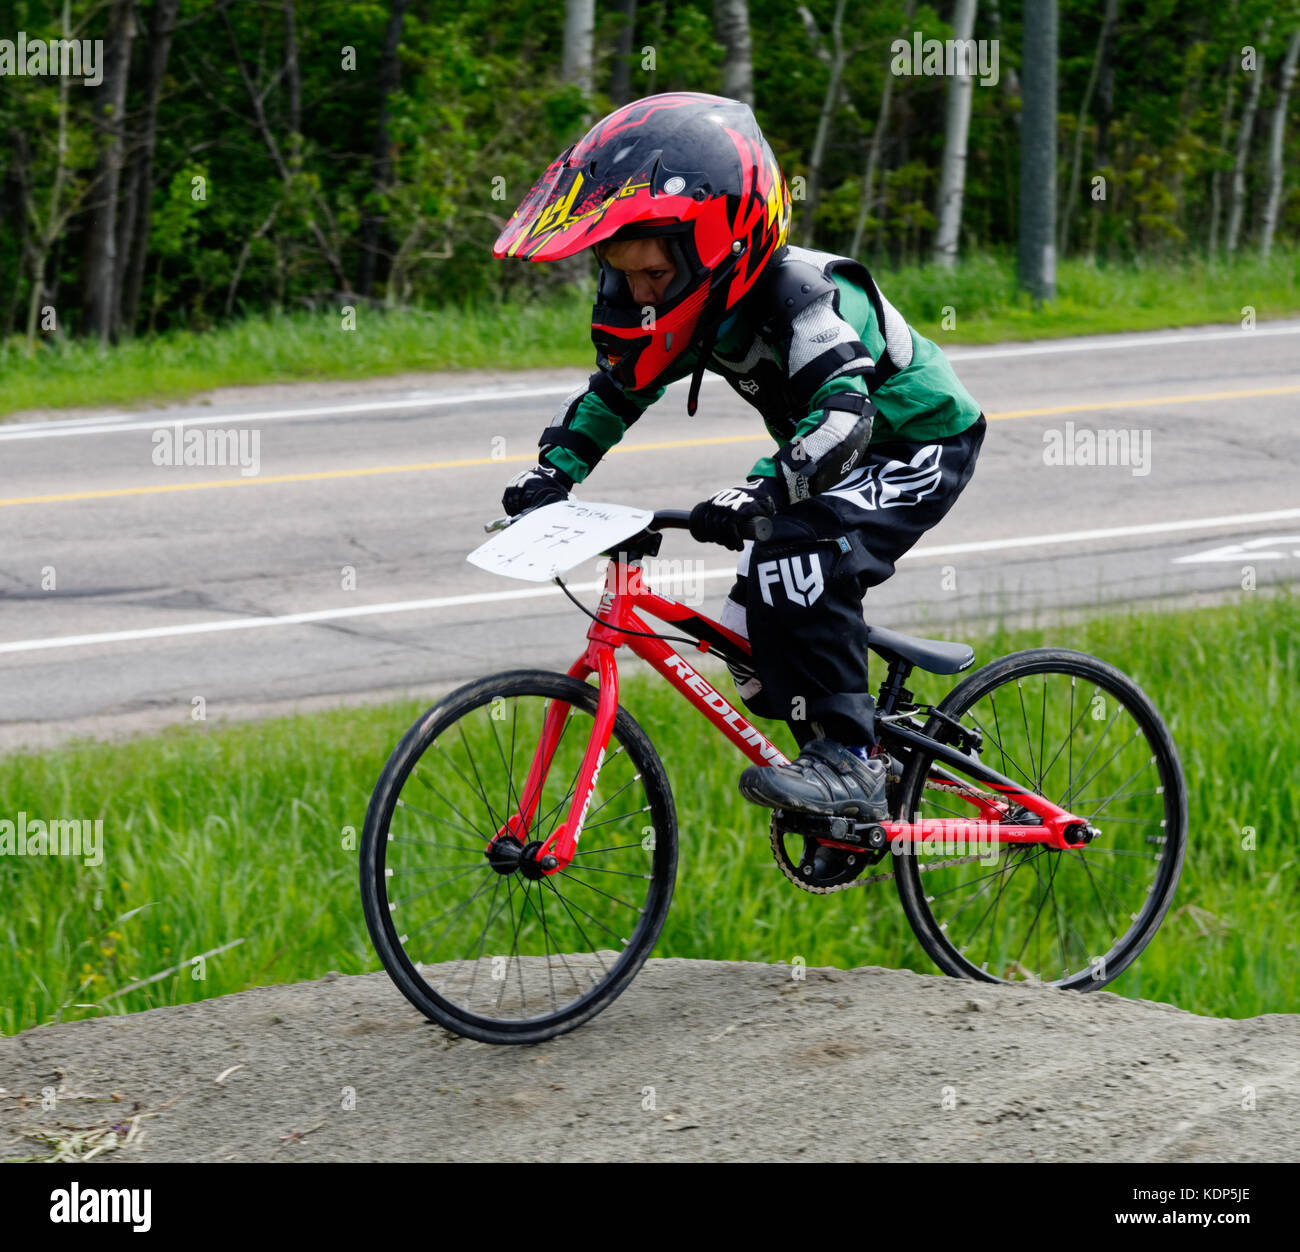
(952, 175)
(293, 79)
(579, 21)
(1105, 92)
(1225, 123)
(162, 19)
(731, 21)
(1109, 18)
(1275, 144)
(1037, 253)
(1238, 203)
(101, 298)
(829, 103)
(620, 85)
(380, 155)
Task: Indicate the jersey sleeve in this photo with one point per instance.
(589, 422)
(827, 370)
(596, 416)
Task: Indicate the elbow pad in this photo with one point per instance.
(815, 462)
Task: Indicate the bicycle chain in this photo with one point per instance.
(778, 854)
(782, 862)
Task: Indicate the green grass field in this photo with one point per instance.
(246, 835)
(976, 303)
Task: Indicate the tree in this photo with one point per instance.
(731, 20)
(579, 23)
(1104, 41)
(1238, 204)
(1275, 144)
(952, 176)
(381, 162)
(1037, 253)
(100, 297)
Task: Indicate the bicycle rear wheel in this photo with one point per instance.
(1078, 732)
(473, 940)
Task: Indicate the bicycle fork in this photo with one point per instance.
(556, 851)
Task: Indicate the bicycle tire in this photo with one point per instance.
(912, 883)
(376, 838)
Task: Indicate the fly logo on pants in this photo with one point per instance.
(800, 588)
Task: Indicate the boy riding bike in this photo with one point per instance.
(688, 213)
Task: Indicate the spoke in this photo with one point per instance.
(1112, 757)
(510, 780)
(1042, 731)
(586, 826)
(429, 843)
(493, 914)
(636, 908)
(600, 869)
(424, 782)
(478, 782)
(618, 847)
(457, 909)
(397, 904)
(1122, 788)
(1069, 738)
(541, 780)
(591, 916)
(1029, 739)
(1033, 786)
(1110, 722)
(438, 869)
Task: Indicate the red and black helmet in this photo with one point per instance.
(691, 169)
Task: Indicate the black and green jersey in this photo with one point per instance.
(825, 358)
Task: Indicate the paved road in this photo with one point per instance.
(128, 588)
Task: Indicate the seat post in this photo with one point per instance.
(892, 690)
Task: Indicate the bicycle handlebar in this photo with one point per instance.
(759, 528)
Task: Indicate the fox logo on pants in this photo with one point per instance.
(800, 588)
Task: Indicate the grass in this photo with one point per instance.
(241, 841)
(981, 294)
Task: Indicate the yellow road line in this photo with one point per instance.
(718, 441)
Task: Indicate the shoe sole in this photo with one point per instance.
(838, 808)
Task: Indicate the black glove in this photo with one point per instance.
(543, 484)
(721, 519)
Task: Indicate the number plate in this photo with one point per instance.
(554, 539)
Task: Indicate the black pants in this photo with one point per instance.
(798, 595)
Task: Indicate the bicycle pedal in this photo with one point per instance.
(839, 829)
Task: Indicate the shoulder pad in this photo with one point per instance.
(784, 291)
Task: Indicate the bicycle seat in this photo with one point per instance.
(934, 655)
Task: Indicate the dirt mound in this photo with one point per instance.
(698, 1060)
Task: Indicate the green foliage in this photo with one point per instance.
(480, 111)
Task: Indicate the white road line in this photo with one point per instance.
(1155, 339)
(492, 597)
(112, 423)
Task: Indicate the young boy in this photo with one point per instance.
(688, 213)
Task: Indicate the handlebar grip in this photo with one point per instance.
(761, 529)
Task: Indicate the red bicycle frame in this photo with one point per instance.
(624, 598)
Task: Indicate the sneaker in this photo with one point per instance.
(825, 778)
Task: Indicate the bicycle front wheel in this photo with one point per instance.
(1078, 732)
(474, 940)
